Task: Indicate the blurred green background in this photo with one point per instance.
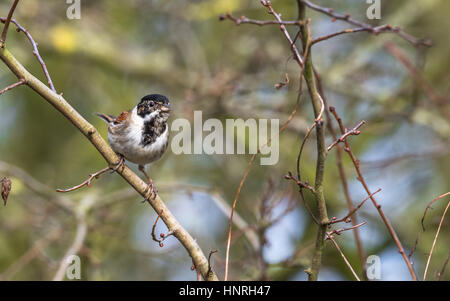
(120, 51)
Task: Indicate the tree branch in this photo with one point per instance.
(91, 133)
(370, 194)
(318, 106)
(245, 20)
(20, 82)
(35, 51)
(364, 26)
(8, 20)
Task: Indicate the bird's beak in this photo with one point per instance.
(165, 109)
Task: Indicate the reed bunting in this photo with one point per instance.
(141, 135)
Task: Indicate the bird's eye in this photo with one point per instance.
(151, 103)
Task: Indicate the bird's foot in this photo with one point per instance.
(119, 164)
(150, 192)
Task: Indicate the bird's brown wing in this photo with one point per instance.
(122, 117)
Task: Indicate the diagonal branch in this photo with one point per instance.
(434, 241)
(20, 82)
(366, 27)
(245, 20)
(344, 136)
(370, 194)
(7, 21)
(110, 156)
(35, 51)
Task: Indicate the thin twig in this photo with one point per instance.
(245, 20)
(162, 235)
(375, 203)
(329, 236)
(429, 206)
(353, 131)
(297, 56)
(353, 210)
(434, 241)
(339, 231)
(20, 82)
(87, 182)
(209, 260)
(442, 272)
(375, 30)
(7, 21)
(300, 62)
(244, 177)
(35, 52)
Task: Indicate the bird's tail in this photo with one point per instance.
(107, 118)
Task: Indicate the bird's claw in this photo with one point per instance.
(150, 192)
(119, 164)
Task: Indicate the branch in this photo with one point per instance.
(353, 210)
(339, 231)
(318, 106)
(375, 203)
(245, 20)
(8, 20)
(35, 52)
(297, 56)
(442, 272)
(353, 131)
(87, 182)
(244, 177)
(434, 241)
(366, 27)
(20, 82)
(343, 177)
(330, 237)
(429, 206)
(110, 156)
(162, 235)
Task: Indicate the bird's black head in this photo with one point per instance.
(153, 102)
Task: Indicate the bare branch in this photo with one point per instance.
(434, 242)
(7, 21)
(330, 237)
(339, 231)
(245, 20)
(442, 272)
(20, 82)
(353, 131)
(111, 157)
(87, 182)
(429, 206)
(297, 56)
(366, 27)
(35, 51)
(342, 176)
(353, 211)
(162, 235)
(370, 194)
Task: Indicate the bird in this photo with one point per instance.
(141, 135)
